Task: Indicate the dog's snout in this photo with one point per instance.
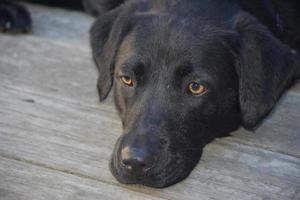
(136, 160)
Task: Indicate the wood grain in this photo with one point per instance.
(23, 181)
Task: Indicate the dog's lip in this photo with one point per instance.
(150, 180)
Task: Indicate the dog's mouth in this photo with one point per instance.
(159, 176)
(170, 168)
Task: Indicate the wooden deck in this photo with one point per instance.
(56, 138)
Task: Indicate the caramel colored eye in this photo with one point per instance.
(127, 80)
(196, 88)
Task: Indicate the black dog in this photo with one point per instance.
(186, 72)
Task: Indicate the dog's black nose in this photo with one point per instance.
(136, 159)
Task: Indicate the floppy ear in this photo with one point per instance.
(265, 68)
(106, 34)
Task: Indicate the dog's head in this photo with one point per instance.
(179, 83)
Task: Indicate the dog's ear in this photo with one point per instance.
(265, 67)
(105, 35)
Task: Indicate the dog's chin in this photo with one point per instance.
(168, 175)
(163, 179)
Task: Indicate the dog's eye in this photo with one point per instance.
(195, 88)
(127, 80)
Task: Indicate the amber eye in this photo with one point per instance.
(127, 80)
(196, 88)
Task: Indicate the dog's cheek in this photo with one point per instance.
(120, 101)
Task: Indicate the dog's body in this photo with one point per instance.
(186, 72)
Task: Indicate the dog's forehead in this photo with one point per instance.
(126, 50)
(163, 43)
(162, 35)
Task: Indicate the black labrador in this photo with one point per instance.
(186, 72)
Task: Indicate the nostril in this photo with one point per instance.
(136, 160)
(134, 164)
(127, 164)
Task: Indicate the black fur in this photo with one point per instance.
(265, 69)
(245, 55)
(14, 18)
(244, 59)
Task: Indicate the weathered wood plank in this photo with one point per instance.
(70, 27)
(83, 142)
(280, 131)
(23, 181)
(48, 67)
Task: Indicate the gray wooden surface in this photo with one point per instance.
(56, 138)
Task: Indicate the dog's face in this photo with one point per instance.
(176, 87)
(174, 94)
